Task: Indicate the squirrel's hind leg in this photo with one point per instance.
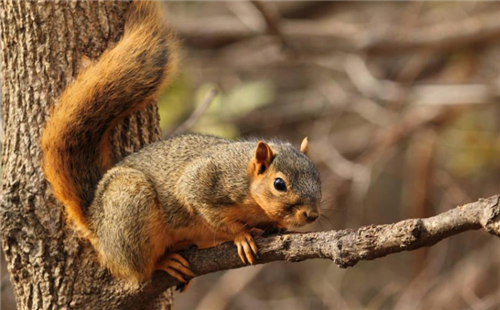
(128, 224)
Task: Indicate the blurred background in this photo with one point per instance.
(400, 101)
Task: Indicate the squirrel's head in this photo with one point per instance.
(285, 184)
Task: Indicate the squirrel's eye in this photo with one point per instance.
(279, 184)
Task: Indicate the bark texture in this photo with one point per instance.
(42, 48)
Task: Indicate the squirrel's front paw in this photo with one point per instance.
(176, 266)
(246, 247)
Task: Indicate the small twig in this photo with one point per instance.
(197, 113)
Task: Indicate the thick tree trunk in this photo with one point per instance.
(42, 48)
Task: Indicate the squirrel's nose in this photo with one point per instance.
(310, 216)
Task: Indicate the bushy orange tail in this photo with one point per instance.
(75, 141)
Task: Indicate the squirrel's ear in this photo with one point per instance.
(263, 156)
(304, 146)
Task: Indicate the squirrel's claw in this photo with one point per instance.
(246, 247)
(178, 258)
(176, 266)
(174, 273)
(183, 287)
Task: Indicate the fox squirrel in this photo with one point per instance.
(191, 189)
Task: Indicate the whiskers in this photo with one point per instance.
(327, 203)
(321, 225)
(324, 217)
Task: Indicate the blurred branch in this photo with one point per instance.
(196, 113)
(386, 90)
(247, 14)
(414, 119)
(345, 247)
(443, 36)
(453, 282)
(221, 30)
(333, 35)
(336, 162)
(272, 19)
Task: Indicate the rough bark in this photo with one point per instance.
(42, 47)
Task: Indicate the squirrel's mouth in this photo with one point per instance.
(301, 219)
(290, 215)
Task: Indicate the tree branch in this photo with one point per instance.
(345, 247)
